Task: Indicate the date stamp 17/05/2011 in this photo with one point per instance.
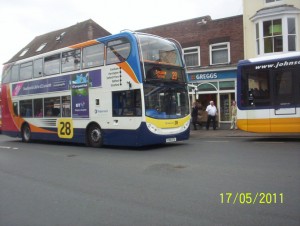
(245, 198)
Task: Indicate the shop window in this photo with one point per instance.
(225, 106)
(192, 56)
(227, 85)
(93, 56)
(204, 87)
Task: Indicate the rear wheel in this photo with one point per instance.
(26, 133)
(94, 136)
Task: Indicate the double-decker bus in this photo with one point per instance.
(268, 93)
(126, 89)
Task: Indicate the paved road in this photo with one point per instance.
(204, 181)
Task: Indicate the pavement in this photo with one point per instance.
(219, 133)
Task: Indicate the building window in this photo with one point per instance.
(192, 56)
(277, 35)
(291, 24)
(220, 53)
(257, 38)
(24, 52)
(272, 31)
(41, 47)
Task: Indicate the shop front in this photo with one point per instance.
(218, 86)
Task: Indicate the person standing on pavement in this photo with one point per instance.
(195, 114)
(233, 115)
(211, 115)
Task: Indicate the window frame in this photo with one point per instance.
(286, 44)
(197, 51)
(220, 49)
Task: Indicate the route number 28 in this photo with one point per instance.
(65, 128)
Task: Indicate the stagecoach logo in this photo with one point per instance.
(175, 123)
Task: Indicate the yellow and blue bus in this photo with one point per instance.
(268, 94)
(126, 89)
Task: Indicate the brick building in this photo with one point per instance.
(212, 49)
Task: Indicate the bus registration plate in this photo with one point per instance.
(172, 139)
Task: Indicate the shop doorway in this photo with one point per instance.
(225, 106)
(204, 99)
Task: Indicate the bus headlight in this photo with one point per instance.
(152, 128)
(186, 125)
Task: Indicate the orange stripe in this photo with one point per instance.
(84, 44)
(126, 67)
(278, 125)
(36, 129)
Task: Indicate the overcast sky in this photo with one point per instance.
(22, 20)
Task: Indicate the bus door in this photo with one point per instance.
(285, 101)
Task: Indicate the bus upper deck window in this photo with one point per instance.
(51, 64)
(71, 60)
(117, 51)
(93, 56)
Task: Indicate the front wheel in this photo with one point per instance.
(94, 136)
(26, 133)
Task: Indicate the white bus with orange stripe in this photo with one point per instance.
(125, 89)
(268, 92)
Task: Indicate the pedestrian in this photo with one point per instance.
(211, 115)
(233, 115)
(195, 114)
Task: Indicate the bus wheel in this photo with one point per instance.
(26, 133)
(94, 136)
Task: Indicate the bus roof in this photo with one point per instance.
(271, 57)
